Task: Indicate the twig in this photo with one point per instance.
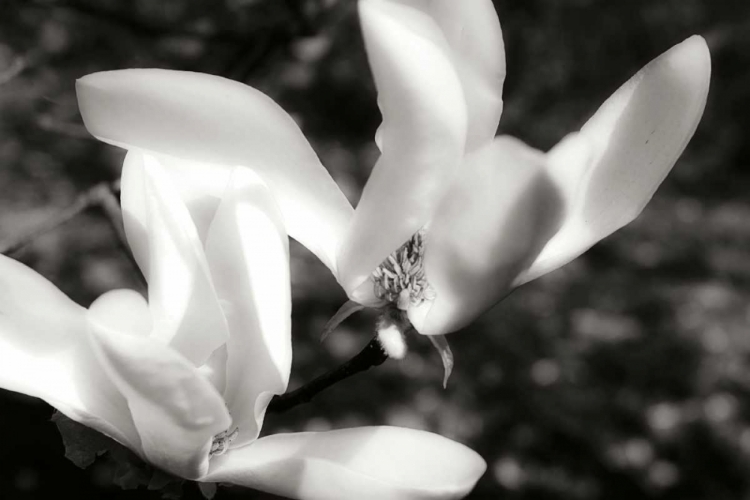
(134, 24)
(83, 202)
(101, 196)
(72, 130)
(16, 68)
(372, 355)
(110, 205)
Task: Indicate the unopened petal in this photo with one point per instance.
(176, 411)
(364, 463)
(186, 309)
(490, 226)
(247, 251)
(44, 352)
(422, 136)
(611, 169)
(205, 118)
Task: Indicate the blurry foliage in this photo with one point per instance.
(625, 375)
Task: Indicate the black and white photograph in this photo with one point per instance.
(375, 249)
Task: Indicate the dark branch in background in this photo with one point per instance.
(137, 25)
(372, 355)
(249, 53)
(91, 198)
(254, 53)
(16, 68)
(102, 196)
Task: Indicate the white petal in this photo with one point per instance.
(135, 212)
(362, 463)
(200, 186)
(125, 308)
(176, 411)
(423, 133)
(611, 169)
(209, 119)
(186, 310)
(490, 226)
(215, 368)
(44, 352)
(247, 251)
(473, 33)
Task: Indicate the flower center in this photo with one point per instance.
(222, 440)
(400, 279)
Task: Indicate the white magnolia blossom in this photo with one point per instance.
(452, 217)
(496, 213)
(184, 379)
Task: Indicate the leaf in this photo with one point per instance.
(82, 444)
(446, 355)
(208, 490)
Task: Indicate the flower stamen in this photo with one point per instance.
(222, 440)
(400, 279)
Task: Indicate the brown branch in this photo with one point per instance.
(372, 355)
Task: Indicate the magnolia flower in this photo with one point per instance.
(185, 379)
(452, 218)
(481, 214)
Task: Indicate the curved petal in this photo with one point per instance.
(209, 119)
(247, 250)
(363, 463)
(135, 213)
(199, 185)
(611, 169)
(44, 353)
(490, 226)
(125, 308)
(185, 308)
(176, 411)
(474, 35)
(423, 134)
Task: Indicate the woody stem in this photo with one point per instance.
(372, 355)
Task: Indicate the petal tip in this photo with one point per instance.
(692, 58)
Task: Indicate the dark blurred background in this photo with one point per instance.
(624, 375)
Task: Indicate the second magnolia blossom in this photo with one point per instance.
(184, 379)
(494, 212)
(451, 218)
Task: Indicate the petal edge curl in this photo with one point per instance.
(210, 119)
